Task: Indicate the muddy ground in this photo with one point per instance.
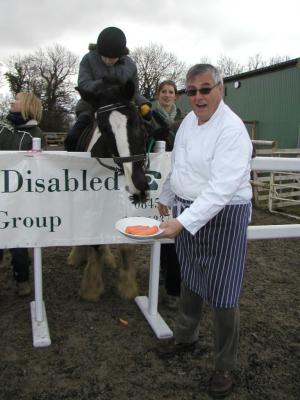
(93, 356)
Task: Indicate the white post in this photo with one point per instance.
(154, 278)
(38, 284)
(148, 305)
(40, 330)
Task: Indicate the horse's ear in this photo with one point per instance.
(128, 90)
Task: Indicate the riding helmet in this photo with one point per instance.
(111, 43)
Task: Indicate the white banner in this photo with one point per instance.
(62, 199)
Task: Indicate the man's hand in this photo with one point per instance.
(163, 210)
(170, 228)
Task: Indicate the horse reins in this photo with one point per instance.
(110, 107)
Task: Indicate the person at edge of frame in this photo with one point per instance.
(106, 62)
(166, 117)
(17, 134)
(209, 190)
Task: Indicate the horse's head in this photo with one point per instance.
(120, 133)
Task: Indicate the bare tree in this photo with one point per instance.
(228, 66)
(50, 74)
(255, 62)
(56, 67)
(278, 59)
(205, 60)
(1, 74)
(20, 76)
(154, 64)
(4, 105)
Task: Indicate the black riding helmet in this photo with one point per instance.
(111, 43)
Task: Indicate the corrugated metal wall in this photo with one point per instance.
(272, 99)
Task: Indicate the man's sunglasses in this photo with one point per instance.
(204, 90)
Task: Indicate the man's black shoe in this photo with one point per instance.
(171, 349)
(221, 384)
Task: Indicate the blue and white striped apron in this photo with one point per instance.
(213, 260)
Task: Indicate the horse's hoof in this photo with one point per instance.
(71, 262)
(128, 292)
(89, 297)
(91, 291)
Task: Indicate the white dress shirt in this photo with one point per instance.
(210, 165)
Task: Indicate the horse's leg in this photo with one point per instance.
(108, 257)
(92, 282)
(127, 286)
(77, 256)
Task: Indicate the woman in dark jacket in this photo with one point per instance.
(165, 115)
(17, 134)
(166, 118)
(22, 123)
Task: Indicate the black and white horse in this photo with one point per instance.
(117, 132)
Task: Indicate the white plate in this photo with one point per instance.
(124, 222)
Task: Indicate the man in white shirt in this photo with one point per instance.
(210, 194)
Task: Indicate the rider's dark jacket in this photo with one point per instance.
(93, 72)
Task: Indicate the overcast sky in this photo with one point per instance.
(190, 29)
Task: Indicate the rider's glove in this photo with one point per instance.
(145, 111)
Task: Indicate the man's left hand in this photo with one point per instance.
(170, 228)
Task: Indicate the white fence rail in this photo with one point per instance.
(148, 304)
(276, 190)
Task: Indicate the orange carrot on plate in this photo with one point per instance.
(142, 230)
(134, 228)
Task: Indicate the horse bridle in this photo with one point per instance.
(118, 160)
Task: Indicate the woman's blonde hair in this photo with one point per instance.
(31, 106)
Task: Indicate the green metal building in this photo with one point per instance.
(267, 99)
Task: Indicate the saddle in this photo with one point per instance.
(86, 136)
(83, 126)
